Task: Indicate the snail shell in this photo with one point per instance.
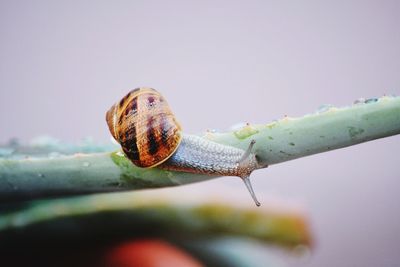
(143, 123)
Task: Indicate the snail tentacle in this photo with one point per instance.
(247, 182)
(248, 152)
(242, 164)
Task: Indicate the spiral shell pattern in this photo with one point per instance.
(143, 123)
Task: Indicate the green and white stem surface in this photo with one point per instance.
(151, 213)
(276, 142)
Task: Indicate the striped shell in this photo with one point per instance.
(143, 123)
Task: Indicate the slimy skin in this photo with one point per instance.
(198, 155)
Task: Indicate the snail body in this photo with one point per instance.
(198, 155)
(150, 136)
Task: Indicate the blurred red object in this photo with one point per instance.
(149, 253)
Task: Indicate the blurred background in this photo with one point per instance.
(64, 63)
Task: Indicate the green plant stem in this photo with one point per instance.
(276, 142)
(239, 252)
(128, 215)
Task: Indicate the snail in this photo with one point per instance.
(149, 134)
